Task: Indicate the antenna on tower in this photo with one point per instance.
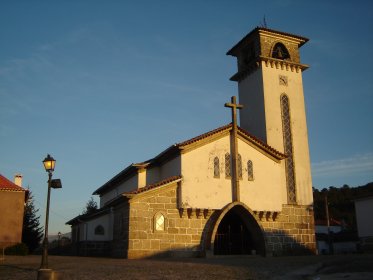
(264, 23)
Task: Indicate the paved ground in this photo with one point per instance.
(308, 267)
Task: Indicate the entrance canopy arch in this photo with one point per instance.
(236, 231)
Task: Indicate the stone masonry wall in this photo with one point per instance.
(291, 232)
(183, 231)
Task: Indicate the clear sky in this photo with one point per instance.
(102, 84)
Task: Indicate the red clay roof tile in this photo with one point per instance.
(8, 185)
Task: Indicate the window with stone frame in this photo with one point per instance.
(159, 222)
(227, 165)
(216, 168)
(250, 171)
(99, 230)
(239, 166)
(288, 149)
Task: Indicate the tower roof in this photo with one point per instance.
(257, 30)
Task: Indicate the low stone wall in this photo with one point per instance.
(93, 248)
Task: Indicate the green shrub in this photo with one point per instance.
(19, 249)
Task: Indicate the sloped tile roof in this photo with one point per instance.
(204, 135)
(155, 185)
(8, 185)
(176, 148)
(241, 131)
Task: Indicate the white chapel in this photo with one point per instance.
(237, 189)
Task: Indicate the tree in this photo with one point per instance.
(340, 202)
(32, 232)
(90, 207)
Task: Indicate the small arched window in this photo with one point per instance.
(239, 166)
(99, 230)
(280, 52)
(159, 222)
(227, 165)
(250, 170)
(216, 168)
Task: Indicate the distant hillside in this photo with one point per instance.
(341, 203)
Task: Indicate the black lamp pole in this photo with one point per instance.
(49, 164)
(44, 259)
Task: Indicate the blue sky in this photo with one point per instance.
(102, 84)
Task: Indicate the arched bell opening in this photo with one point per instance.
(237, 233)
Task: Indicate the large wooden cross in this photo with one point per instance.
(234, 150)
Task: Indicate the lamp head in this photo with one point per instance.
(49, 163)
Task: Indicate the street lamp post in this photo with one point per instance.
(59, 243)
(44, 272)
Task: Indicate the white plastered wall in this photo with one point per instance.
(252, 115)
(294, 91)
(106, 221)
(201, 190)
(125, 186)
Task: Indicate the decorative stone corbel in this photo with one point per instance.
(207, 213)
(261, 213)
(181, 212)
(199, 213)
(191, 212)
(268, 215)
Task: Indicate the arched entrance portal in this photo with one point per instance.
(237, 232)
(232, 237)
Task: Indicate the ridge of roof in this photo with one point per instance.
(6, 184)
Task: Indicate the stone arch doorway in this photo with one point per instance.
(236, 232)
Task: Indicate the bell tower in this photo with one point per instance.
(270, 89)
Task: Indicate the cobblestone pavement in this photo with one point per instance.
(235, 267)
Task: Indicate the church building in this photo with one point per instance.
(237, 189)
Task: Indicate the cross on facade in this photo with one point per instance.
(234, 150)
